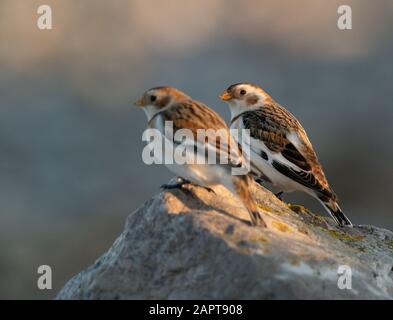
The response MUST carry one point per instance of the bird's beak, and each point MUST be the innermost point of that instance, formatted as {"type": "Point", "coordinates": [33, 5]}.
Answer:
{"type": "Point", "coordinates": [226, 96]}
{"type": "Point", "coordinates": [139, 103]}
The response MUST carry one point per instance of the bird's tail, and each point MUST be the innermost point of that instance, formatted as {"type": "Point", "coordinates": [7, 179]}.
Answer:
{"type": "Point", "coordinates": [335, 211]}
{"type": "Point", "coordinates": [242, 188]}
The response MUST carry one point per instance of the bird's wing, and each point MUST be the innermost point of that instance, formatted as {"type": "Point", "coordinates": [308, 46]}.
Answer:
{"type": "Point", "coordinates": [283, 134]}
{"type": "Point", "coordinates": [194, 115]}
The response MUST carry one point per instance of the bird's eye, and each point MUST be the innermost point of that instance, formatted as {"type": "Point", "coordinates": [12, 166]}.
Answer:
{"type": "Point", "coordinates": [243, 92]}
{"type": "Point", "coordinates": [153, 98]}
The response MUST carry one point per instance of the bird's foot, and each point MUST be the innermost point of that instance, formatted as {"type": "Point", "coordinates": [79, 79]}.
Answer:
{"type": "Point", "coordinates": [203, 187]}
{"type": "Point", "coordinates": [279, 195]}
{"type": "Point", "coordinates": [180, 182]}
{"type": "Point", "coordinates": [208, 189]}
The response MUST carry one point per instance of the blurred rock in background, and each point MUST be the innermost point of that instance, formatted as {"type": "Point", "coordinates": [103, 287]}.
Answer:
{"type": "Point", "coordinates": [70, 139]}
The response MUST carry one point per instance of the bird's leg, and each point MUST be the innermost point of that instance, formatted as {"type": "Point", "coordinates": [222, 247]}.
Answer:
{"type": "Point", "coordinates": [180, 182]}
{"type": "Point", "coordinates": [279, 195]}
{"type": "Point", "coordinates": [208, 189]}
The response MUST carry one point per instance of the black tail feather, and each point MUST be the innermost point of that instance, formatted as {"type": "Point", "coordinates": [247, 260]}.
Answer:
{"type": "Point", "coordinates": [338, 216]}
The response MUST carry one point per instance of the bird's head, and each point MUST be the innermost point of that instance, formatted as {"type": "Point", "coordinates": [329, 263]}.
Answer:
{"type": "Point", "coordinates": [244, 96]}
{"type": "Point", "coordinates": [156, 99]}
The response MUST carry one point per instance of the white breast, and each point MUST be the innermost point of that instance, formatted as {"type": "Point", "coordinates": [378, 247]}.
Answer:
{"type": "Point", "coordinates": [201, 174]}
{"type": "Point", "coordinates": [253, 153]}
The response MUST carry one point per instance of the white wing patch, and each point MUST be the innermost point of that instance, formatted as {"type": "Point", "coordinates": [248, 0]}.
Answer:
{"type": "Point", "coordinates": [261, 165]}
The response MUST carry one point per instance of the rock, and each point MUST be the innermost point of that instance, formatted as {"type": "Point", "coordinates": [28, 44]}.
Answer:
{"type": "Point", "coordinates": [194, 244]}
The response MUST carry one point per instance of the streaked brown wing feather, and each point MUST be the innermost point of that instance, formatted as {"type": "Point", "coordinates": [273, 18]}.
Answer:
{"type": "Point", "coordinates": [194, 115]}
{"type": "Point", "coordinates": [272, 124]}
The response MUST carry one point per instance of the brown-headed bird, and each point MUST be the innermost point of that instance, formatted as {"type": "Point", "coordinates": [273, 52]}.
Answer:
{"type": "Point", "coordinates": [167, 104]}
{"type": "Point", "coordinates": [280, 151]}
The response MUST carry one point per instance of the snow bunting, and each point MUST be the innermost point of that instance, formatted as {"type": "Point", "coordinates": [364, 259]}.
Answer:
{"type": "Point", "coordinates": [280, 150]}
{"type": "Point", "coordinates": [163, 104]}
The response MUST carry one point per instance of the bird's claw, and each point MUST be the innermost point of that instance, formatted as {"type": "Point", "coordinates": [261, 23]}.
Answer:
{"type": "Point", "coordinates": [209, 189]}
{"type": "Point", "coordinates": [177, 185]}
{"type": "Point", "coordinates": [180, 182]}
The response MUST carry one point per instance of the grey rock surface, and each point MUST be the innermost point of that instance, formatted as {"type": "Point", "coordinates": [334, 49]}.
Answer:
{"type": "Point", "coordinates": [194, 244]}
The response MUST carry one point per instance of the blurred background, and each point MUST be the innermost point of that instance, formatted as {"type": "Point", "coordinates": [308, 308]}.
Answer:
{"type": "Point", "coordinates": [70, 140]}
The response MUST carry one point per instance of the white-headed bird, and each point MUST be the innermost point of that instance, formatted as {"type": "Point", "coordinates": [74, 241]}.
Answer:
{"type": "Point", "coordinates": [167, 104]}
{"type": "Point", "coordinates": [280, 151]}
